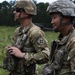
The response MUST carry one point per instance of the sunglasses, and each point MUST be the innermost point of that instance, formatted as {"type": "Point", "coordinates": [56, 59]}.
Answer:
{"type": "Point", "coordinates": [18, 9]}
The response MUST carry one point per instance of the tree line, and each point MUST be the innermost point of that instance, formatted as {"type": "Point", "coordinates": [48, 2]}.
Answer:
{"type": "Point", "coordinates": [7, 17]}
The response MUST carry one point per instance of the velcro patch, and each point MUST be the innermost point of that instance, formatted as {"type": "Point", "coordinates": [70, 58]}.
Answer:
{"type": "Point", "coordinates": [41, 41]}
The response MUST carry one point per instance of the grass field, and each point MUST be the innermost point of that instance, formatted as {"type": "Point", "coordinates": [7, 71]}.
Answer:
{"type": "Point", "coordinates": [6, 35]}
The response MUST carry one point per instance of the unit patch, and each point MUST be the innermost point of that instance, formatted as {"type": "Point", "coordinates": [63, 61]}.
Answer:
{"type": "Point", "coordinates": [41, 41]}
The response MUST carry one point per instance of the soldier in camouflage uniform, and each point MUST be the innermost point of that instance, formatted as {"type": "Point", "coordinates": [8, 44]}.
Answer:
{"type": "Point", "coordinates": [30, 46]}
{"type": "Point", "coordinates": [62, 54]}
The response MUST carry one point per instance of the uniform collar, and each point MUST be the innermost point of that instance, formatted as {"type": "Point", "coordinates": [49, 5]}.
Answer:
{"type": "Point", "coordinates": [63, 39]}
{"type": "Point", "coordinates": [25, 29]}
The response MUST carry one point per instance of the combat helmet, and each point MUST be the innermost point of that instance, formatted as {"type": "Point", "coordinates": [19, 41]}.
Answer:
{"type": "Point", "coordinates": [27, 5]}
{"type": "Point", "coordinates": [65, 7]}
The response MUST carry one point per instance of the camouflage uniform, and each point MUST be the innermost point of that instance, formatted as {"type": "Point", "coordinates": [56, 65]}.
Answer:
{"type": "Point", "coordinates": [62, 54]}
{"type": "Point", "coordinates": [35, 47]}
{"type": "Point", "coordinates": [30, 40]}
{"type": "Point", "coordinates": [63, 58]}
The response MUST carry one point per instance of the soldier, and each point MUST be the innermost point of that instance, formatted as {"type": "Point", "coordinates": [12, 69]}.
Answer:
{"type": "Point", "coordinates": [62, 54]}
{"type": "Point", "coordinates": [29, 46]}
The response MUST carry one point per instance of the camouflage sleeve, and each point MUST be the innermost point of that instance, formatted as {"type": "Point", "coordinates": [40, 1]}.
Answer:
{"type": "Point", "coordinates": [41, 46]}
{"type": "Point", "coordinates": [71, 54]}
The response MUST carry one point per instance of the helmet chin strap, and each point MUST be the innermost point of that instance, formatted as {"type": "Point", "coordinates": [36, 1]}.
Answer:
{"type": "Point", "coordinates": [22, 17]}
{"type": "Point", "coordinates": [61, 24]}
{"type": "Point", "coordinates": [57, 29]}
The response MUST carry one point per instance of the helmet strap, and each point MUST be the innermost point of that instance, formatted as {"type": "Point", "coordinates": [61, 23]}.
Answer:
{"type": "Point", "coordinates": [29, 16]}
{"type": "Point", "coordinates": [67, 23]}
{"type": "Point", "coordinates": [62, 24]}
{"type": "Point", "coordinates": [61, 18]}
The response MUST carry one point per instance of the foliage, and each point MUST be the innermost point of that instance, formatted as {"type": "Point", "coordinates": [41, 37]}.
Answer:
{"type": "Point", "coordinates": [7, 17]}
{"type": "Point", "coordinates": [6, 35]}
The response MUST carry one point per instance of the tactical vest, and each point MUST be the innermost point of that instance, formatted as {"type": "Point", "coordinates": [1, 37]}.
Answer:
{"type": "Point", "coordinates": [59, 55]}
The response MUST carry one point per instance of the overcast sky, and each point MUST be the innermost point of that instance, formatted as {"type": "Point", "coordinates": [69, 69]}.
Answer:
{"type": "Point", "coordinates": [50, 1]}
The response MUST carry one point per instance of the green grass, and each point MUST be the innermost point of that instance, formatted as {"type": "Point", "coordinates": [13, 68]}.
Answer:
{"type": "Point", "coordinates": [50, 36]}
{"type": "Point", "coordinates": [6, 35]}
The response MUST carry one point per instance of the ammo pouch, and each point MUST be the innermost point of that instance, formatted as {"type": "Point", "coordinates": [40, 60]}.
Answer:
{"type": "Point", "coordinates": [58, 59]}
{"type": "Point", "coordinates": [9, 62]}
